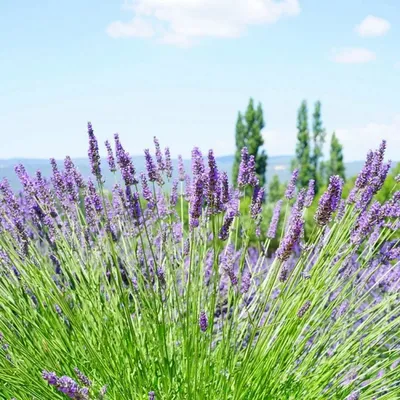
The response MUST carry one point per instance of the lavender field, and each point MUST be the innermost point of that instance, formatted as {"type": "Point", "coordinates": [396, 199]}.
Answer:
{"type": "Point", "coordinates": [170, 286]}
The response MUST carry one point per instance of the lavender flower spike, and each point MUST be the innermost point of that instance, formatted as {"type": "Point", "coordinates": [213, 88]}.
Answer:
{"type": "Point", "coordinates": [329, 201]}
{"type": "Point", "coordinates": [93, 153]}
{"type": "Point", "coordinates": [203, 321]}
{"type": "Point", "coordinates": [310, 193]}
{"type": "Point", "coordinates": [110, 157]}
{"type": "Point", "coordinates": [152, 395]}
{"type": "Point", "coordinates": [291, 238]}
{"type": "Point", "coordinates": [291, 187]}
{"type": "Point", "coordinates": [274, 221]}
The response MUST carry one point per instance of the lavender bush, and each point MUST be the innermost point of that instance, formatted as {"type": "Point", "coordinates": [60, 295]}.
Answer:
{"type": "Point", "coordinates": [113, 296]}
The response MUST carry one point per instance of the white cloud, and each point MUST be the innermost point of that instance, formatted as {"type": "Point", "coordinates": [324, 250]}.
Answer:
{"type": "Point", "coordinates": [358, 140]}
{"type": "Point", "coordinates": [372, 26]}
{"type": "Point", "coordinates": [353, 55]}
{"type": "Point", "coordinates": [182, 22]}
{"type": "Point", "coordinates": [137, 27]}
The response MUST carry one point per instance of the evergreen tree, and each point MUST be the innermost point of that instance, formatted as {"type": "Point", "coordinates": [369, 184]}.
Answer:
{"type": "Point", "coordinates": [319, 135]}
{"type": "Point", "coordinates": [248, 134]}
{"type": "Point", "coordinates": [303, 157]}
{"type": "Point", "coordinates": [276, 190]}
{"type": "Point", "coordinates": [336, 164]}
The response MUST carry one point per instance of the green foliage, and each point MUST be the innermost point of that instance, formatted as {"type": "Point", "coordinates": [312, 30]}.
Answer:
{"type": "Point", "coordinates": [276, 190]}
{"type": "Point", "coordinates": [336, 164]}
{"type": "Point", "coordinates": [319, 135]}
{"type": "Point", "coordinates": [248, 134]}
{"type": "Point", "coordinates": [303, 149]}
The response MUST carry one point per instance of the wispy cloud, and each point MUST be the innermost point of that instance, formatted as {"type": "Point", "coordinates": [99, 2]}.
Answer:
{"type": "Point", "coordinates": [137, 27]}
{"type": "Point", "coordinates": [353, 55]}
{"type": "Point", "coordinates": [372, 26]}
{"type": "Point", "coordinates": [359, 139]}
{"type": "Point", "coordinates": [183, 22]}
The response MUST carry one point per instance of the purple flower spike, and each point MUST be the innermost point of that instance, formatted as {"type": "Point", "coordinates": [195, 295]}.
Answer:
{"type": "Point", "coordinates": [50, 377]}
{"type": "Point", "coordinates": [203, 321]}
{"type": "Point", "coordinates": [274, 221]}
{"type": "Point", "coordinates": [168, 163]}
{"type": "Point", "coordinates": [110, 157]}
{"type": "Point", "coordinates": [291, 238]}
{"type": "Point", "coordinates": [291, 187]}
{"type": "Point", "coordinates": [304, 308]}
{"type": "Point", "coordinates": [125, 164]}
{"type": "Point", "coordinates": [159, 156]}
{"type": "Point", "coordinates": [181, 169]}
{"type": "Point", "coordinates": [329, 201]}
{"type": "Point", "coordinates": [310, 193]}
{"type": "Point", "coordinates": [256, 203]}
{"type": "Point", "coordinates": [93, 153]}
{"type": "Point", "coordinates": [152, 395]}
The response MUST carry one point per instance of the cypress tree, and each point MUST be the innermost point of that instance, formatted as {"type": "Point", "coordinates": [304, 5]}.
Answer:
{"type": "Point", "coordinates": [336, 164]}
{"type": "Point", "coordinates": [319, 135]}
{"type": "Point", "coordinates": [248, 134]}
{"type": "Point", "coordinates": [303, 157]}
{"type": "Point", "coordinates": [276, 190]}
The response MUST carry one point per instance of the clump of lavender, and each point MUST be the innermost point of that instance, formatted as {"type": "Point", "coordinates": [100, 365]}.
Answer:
{"type": "Point", "coordinates": [121, 280]}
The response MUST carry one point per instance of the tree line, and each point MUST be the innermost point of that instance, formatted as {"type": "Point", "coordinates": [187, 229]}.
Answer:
{"type": "Point", "coordinates": [309, 156]}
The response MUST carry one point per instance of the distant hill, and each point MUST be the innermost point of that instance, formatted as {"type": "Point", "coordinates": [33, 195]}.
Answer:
{"type": "Point", "coordinates": [279, 165]}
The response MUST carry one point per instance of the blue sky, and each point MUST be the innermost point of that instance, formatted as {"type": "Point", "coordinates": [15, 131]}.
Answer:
{"type": "Point", "coordinates": [181, 69]}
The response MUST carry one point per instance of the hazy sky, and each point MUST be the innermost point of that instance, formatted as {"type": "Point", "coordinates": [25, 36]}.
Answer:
{"type": "Point", "coordinates": [181, 69]}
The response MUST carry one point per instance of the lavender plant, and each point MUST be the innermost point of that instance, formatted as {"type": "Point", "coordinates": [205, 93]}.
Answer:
{"type": "Point", "coordinates": [113, 296]}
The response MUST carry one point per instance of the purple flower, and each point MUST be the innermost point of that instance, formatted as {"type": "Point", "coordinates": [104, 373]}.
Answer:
{"type": "Point", "coordinates": [50, 377]}
{"type": "Point", "coordinates": [274, 221]}
{"type": "Point", "coordinates": [364, 175]}
{"type": "Point", "coordinates": [303, 309]}
{"type": "Point", "coordinates": [213, 189]}
{"type": "Point", "coordinates": [224, 182]}
{"type": "Point", "coordinates": [124, 162]}
{"type": "Point", "coordinates": [181, 169]}
{"type": "Point", "coordinates": [133, 204]}
{"type": "Point", "coordinates": [227, 261]}
{"type": "Point", "coordinates": [93, 153]}
{"type": "Point", "coordinates": [366, 222]}
{"type": "Point", "coordinates": [168, 163]}
{"type": "Point", "coordinates": [329, 201]}
{"type": "Point", "coordinates": [246, 282]}
{"type": "Point", "coordinates": [151, 168]}
{"type": "Point", "coordinates": [83, 378]}
{"type": "Point", "coordinates": [159, 157]}
{"type": "Point", "coordinates": [110, 157]}
{"type": "Point", "coordinates": [353, 396]}
{"type": "Point", "coordinates": [291, 187]}
{"type": "Point", "coordinates": [230, 215]}
{"type": "Point", "coordinates": [174, 193]}
{"type": "Point", "coordinates": [292, 237]}
{"type": "Point", "coordinates": [203, 321]}
{"type": "Point", "coordinates": [341, 210]}
{"type": "Point", "coordinates": [247, 174]}
{"type": "Point", "coordinates": [152, 396]}
{"type": "Point", "coordinates": [256, 203]}
{"type": "Point", "coordinates": [310, 193]}
{"type": "Point", "coordinates": [397, 178]}
{"type": "Point", "coordinates": [146, 192]}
